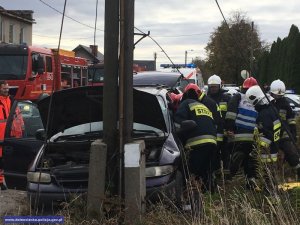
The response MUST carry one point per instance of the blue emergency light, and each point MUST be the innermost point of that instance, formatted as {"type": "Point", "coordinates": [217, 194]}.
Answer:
{"type": "Point", "coordinates": [189, 65]}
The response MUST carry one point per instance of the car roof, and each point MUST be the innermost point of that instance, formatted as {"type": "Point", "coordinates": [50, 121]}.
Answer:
{"type": "Point", "coordinates": [156, 78]}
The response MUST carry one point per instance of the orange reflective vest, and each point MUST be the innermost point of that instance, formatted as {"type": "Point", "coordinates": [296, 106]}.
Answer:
{"type": "Point", "coordinates": [5, 105]}
{"type": "Point", "coordinates": [17, 126]}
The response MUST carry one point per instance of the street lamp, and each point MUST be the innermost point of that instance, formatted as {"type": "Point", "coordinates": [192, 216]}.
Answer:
{"type": "Point", "coordinates": [185, 58]}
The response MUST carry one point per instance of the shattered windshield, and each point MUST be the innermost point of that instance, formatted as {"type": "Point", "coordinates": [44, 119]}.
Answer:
{"type": "Point", "coordinates": [13, 67]}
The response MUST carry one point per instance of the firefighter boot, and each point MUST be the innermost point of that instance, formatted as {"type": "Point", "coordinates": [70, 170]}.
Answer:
{"type": "Point", "coordinates": [251, 184]}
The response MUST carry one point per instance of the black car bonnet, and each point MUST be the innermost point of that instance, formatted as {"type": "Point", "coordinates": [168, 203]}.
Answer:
{"type": "Point", "coordinates": [72, 107]}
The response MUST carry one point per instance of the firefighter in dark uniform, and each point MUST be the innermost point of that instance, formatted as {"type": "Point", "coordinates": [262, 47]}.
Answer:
{"type": "Point", "coordinates": [200, 142]}
{"type": "Point", "coordinates": [240, 122]}
{"type": "Point", "coordinates": [269, 128]}
{"type": "Point", "coordinates": [216, 93]}
{"type": "Point", "coordinates": [291, 155]}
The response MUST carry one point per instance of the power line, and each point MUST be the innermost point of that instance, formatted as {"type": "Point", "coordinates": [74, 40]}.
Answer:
{"type": "Point", "coordinates": [72, 38]}
{"type": "Point", "coordinates": [183, 35]}
{"type": "Point", "coordinates": [69, 16]}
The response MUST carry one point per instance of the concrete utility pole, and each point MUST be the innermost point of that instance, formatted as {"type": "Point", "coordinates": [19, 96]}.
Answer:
{"type": "Point", "coordinates": [96, 186]}
{"type": "Point", "coordinates": [110, 91]}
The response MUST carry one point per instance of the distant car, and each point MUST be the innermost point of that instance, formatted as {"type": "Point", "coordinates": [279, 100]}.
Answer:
{"type": "Point", "coordinates": [227, 87]}
{"type": "Point", "coordinates": [294, 101]}
{"type": "Point", "coordinates": [170, 80]}
{"type": "Point", "coordinates": [60, 167]}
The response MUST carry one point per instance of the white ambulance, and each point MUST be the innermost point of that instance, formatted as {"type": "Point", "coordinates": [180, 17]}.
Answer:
{"type": "Point", "coordinates": [189, 71]}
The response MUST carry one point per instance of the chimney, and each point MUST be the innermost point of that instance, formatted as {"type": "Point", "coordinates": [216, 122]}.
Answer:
{"type": "Point", "coordinates": [94, 49]}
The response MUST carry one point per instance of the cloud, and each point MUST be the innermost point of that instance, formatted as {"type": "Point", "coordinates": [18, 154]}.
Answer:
{"type": "Point", "coordinates": [175, 24]}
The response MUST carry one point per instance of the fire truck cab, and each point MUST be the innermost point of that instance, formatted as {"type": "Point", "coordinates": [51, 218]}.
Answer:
{"type": "Point", "coordinates": [32, 72]}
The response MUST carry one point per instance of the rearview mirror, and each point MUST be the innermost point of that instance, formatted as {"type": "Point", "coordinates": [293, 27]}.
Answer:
{"type": "Point", "coordinates": [40, 134]}
{"type": "Point", "coordinates": [41, 65]}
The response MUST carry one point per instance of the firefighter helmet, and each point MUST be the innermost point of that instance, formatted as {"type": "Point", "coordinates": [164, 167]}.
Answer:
{"type": "Point", "coordinates": [249, 82]}
{"type": "Point", "coordinates": [214, 79]}
{"type": "Point", "coordinates": [256, 96]}
{"type": "Point", "coordinates": [194, 87]}
{"type": "Point", "coordinates": [277, 87]}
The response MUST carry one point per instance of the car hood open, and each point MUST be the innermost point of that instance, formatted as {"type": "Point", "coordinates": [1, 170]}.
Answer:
{"type": "Point", "coordinates": [72, 107]}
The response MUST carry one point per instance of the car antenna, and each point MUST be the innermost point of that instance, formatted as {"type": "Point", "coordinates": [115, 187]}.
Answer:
{"type": "Point", "coordinates": [251, 73]}
{"type": "Point", "coordinates": [181, 77]}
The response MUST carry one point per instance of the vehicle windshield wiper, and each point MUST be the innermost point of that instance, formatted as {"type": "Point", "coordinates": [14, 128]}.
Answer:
{"type": "Point", "coordinates": [147, 132]}
{"type": "Point", "coordinates": [68, 136]}
{"type": "Point", "coordinates": [86, 134]}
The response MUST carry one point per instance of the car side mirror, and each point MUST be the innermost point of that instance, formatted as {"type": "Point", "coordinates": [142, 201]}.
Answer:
{"type": "Point", "coordinates": [40, 134]}
{"type": "Point", "coordinates": [41, 65]}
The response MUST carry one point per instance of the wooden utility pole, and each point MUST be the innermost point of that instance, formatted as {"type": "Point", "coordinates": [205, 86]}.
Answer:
{"type": "Point", "coordinates": [126, 80]}
{"type": "Point", "coordinates": [110, 91]}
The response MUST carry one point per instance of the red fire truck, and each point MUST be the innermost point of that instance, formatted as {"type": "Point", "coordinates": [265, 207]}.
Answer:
{"type": "Point", "coordinates": [32, 72]}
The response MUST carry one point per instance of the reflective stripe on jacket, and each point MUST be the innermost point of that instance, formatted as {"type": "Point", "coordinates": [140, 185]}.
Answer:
{"type": "Point", "coordinates": [203, 139]}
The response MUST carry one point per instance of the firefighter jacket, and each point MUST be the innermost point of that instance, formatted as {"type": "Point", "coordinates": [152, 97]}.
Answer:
{"type": "Point", "coordinates": [269, 127]}
{"type": "Point", "coordinates": [205, 132]}
{"type": "Point", "coordinates": [5, 104]}
{"type": "Point", "coordinates": [287, 117]}
{"type": "Point", "coordinates": [213, 107]}
{"type": "Point", "coordinates": [222, 101]}
{"type": "Point", "coordinates": [241, 118]}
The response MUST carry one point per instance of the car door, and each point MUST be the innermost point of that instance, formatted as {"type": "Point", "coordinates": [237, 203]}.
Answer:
{"type": "Point", "coordinates": [20, 145]}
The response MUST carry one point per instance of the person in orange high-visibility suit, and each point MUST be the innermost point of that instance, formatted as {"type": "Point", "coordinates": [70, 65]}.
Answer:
{"type": "Point", "coordinates": [17, 126]}
{"type": "Point", "coordinates": [5, 104]}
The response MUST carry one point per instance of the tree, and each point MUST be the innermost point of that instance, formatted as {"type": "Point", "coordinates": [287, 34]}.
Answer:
{"type": "Point", "coordinates": [201, 64]}
{"type": "Point", "coordinates": [229, 48]}
{"type": "Point", "coordinates": [282, 61]}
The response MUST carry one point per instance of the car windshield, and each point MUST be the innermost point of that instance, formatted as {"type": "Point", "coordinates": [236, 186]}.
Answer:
{"type": "Point", "coordinates": [95, 129]}
{"type": "Point", "coordinates": [13, 67]}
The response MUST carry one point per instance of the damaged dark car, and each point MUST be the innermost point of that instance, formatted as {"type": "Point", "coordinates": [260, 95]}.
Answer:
{"type": "Point", "coordinates": [60, 167]}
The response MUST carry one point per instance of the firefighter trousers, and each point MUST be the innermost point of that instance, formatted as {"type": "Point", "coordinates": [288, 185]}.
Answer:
{"type": "Point", "coordinates": [200, 163]}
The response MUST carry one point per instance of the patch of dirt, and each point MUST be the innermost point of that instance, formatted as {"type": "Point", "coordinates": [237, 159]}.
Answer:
{"type": "Point", "coordinates": [13, 203]}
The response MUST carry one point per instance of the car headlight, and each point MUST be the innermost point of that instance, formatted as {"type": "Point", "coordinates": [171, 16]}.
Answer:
{"type": "Point", "coordinates": [157, 171]}
{"type": "Point", "coordinates": [37, 177]}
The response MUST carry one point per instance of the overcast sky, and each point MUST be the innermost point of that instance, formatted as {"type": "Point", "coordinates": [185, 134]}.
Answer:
{"type": "Point", "coordinates": [177, 25]}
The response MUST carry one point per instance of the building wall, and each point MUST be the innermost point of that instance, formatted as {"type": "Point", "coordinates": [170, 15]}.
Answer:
{"type": "Point", "coordinates": [17, 26]}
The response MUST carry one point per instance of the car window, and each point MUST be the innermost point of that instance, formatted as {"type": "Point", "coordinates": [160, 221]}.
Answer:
{"type": "Point", "coordinates": [26, 121]}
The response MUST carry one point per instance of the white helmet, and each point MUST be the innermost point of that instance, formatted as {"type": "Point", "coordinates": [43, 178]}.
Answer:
{"type": "Point", "coordinates": [214, 79]}
{"type": "Point", "coordinates": [256, 96]}
{"type": "Point", "coordinates": [277, 87]}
